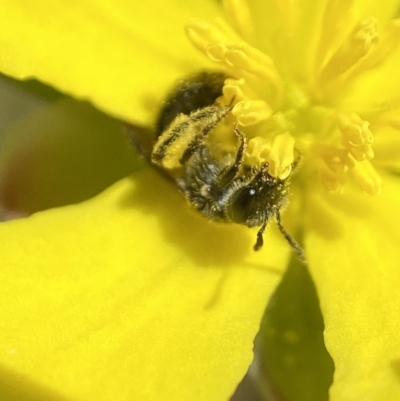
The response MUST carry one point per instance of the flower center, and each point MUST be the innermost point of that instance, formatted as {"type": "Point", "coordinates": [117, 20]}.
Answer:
{"type": "Point", "coordinates": [281, 114]}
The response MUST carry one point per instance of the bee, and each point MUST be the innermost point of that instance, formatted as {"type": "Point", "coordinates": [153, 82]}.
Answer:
{"type": "Point", "coordinates": [219, 185]}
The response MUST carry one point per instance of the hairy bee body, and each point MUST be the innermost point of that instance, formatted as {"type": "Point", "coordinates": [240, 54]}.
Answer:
{"type": "Point", "coordinates": [217, 184]}
{"type": "Point", "coordinates": [249, 198]}
{"type": "Point", "coordinates": [190, 95]}
{"type": "Point", "coordinates": [200, 185]}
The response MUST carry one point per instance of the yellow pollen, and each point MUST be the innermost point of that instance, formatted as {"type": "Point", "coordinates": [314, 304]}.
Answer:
{"type": "Point", "coordinates": [236, 90]}
{"type": "Point", "coordinates": [257, 150]}
{"type": "Point", "coordinates": [367, 178]}
{"type": "Point", "coordinates": [250, 112]}
{"type": "Point", "coordinates": [281, 156]}
{"type": "Point", "coordinates": [356, 136]}
{"type": "Point", "coordinates": [233, 90]}
{"type": "Point", "coordinates": [356, 46]}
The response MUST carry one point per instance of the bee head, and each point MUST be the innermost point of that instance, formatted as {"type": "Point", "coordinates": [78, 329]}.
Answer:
{"type": "Point", "coordinates": [259, 199]}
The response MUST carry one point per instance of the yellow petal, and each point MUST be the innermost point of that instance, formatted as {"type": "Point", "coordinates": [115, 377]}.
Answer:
{"type": "Point", "coordinates": [387, 146]}
{"type": "Point", "coordinates": [383, 11]}
{"type": "Point", "coordinates": [352, 247]}
{"type": "Point", "coordinates": [131, 296]}
{"type": "Point", "coordinates": [122, 55]}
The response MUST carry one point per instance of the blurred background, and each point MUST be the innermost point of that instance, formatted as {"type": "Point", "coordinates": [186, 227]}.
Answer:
{"type": "Point", "coordinates": [55, 150]}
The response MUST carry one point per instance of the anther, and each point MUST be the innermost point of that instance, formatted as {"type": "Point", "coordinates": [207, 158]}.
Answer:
{"type": "Point", "coordinates": [250, 112]}
{"type": "Point", "coordinates": [281, 156]}
{"type": "Point", "coordinates": [388, 43]}
{"type": "Point", "coordinates": [367, 178]}
{"type": "Point", "coordinates": [332, 180]}
{"type": "Point", "coordinates": [237, 90]}
{"type": "Point", "coordinates": [357, 45]}
{"type": "Point", "coordinates": [356, 136]}
{"type": "Point", "coordinates": [257, 151]}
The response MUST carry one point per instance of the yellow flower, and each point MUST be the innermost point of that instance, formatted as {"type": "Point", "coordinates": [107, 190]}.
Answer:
{"type": "Point", "coordinates": [320, 78]}
{"type": "Point", "coordinates": [84, 285]}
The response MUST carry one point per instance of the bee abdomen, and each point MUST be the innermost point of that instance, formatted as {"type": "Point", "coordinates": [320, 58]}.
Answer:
{"type": "Point", "coordinates": [192, 94]}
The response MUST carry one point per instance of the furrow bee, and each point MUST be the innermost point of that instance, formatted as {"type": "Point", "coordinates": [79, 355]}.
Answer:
{"type": "Point", "coordinates": [216, 183]}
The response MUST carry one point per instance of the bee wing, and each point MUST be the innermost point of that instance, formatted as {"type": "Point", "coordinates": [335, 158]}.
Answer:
{"type": "Point", "coordinates": [143, 139]}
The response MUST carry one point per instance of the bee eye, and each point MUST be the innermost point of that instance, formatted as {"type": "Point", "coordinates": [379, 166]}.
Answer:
{"type": "Point", "coordinates": [242, 205]}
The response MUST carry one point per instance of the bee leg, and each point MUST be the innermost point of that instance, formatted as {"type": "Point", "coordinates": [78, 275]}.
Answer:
{"type": "Point", "coordinates": [189, 126]}
{"type": "Point", "coordinates": [208, 118]}
{"type": "Point", "coordinates": [192, 147]}
{"type": "Point", "coordinates": [260, 240]}
{"type": "Point", "coordinates": [297, 160]}
{"type": "Point", "coordinates": [230, 173]}
{"type": "Point", "coordinates": [295, 246]}
{"type": "Point", "coordinates": [242, 149]}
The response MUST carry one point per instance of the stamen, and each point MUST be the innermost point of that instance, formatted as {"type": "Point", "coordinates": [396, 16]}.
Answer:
{"type": "Point", "coordinates": [336, 159]}
{"type": "Point", "coordinates": [236, 90]}
{"type": "Point", "coordinates": [388, 43]}
{"type": "Point", "coordinates": [332, 165]}
{"type": "Point", "coordinates": [216, 52]}
{"type": "Point", "coordinates": [240, 15]}
{"type": "Point", "coordinates": [198, 32]}
{"type": "Point", "coordinates": [332, 180]}
{"type": "Point", "coordinates": [249, 112]}
{"type": "Point", "coordinates": [243, 56]}
{"type": "Point", "coordinates": [357, 45]}
{"type": "Point", "coordinates": [257, 151]}
{"type": "Point", "coordinates": [367, 177]}
{"type": "Point", "coordinates": [202, 33]}
{"type": "Point", "coordinates": [255, 92]}
{"type": "Point", "coordinates": [357, 137]}
{"type": "Point", "coordinates": [233, 90]}
{"type": "Point", "coordinates": [281, 156]}
{"type": "Point", "coordinates": [216, 40]}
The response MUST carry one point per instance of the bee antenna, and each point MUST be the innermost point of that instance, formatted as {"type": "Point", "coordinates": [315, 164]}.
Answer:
{"type": "Point", "coordinates": [296, 247]}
